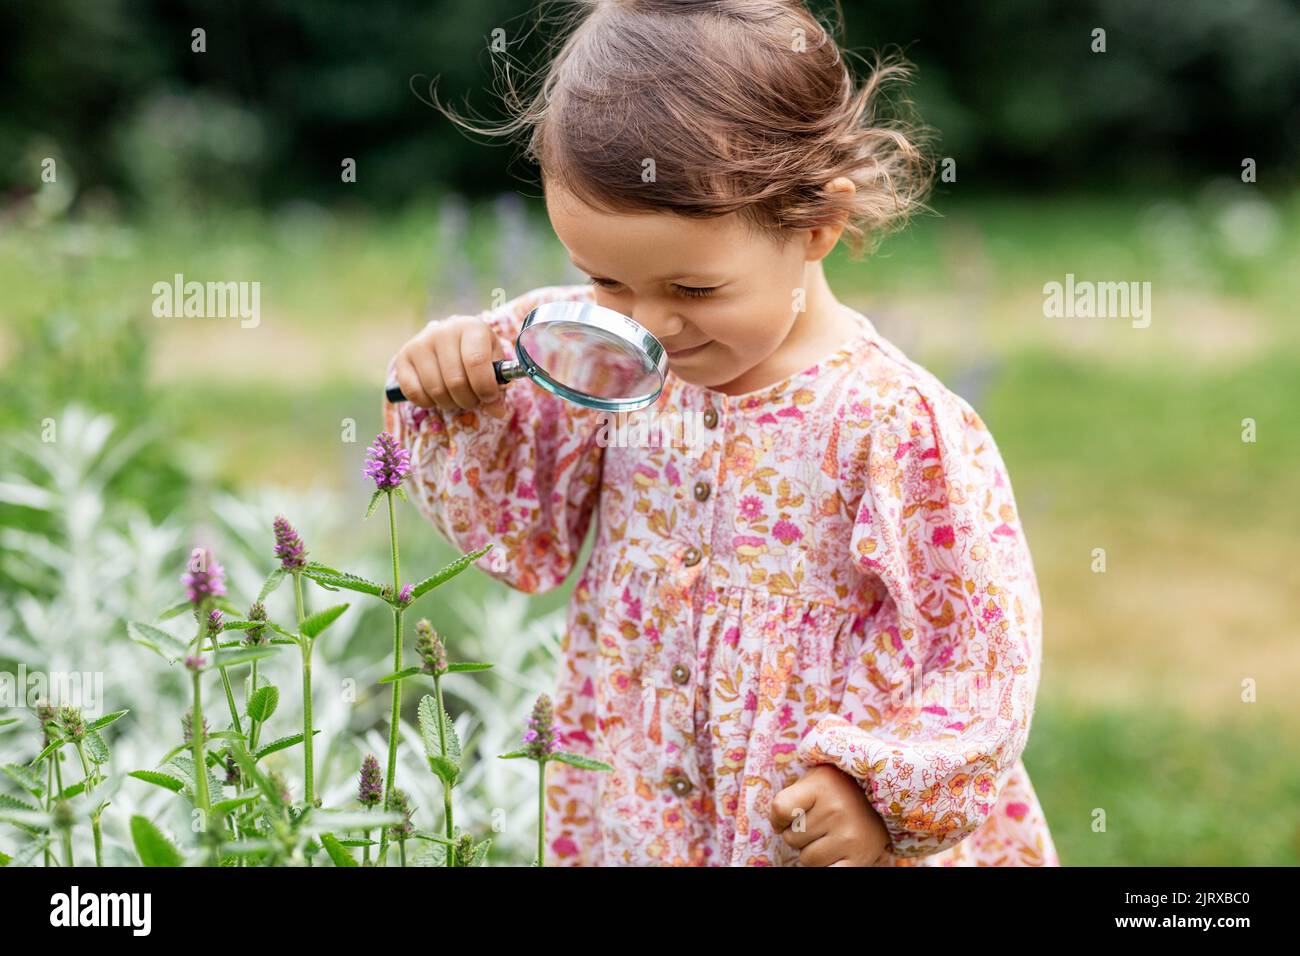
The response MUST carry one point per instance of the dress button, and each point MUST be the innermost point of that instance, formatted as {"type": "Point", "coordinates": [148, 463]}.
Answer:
{"type": "Point", "coordinates": [691, 557]}
{"type": "Point", "coordinates": [701, 490]}
{"type": "Point", "coordinates": [680, 785]}
{"type": "Point", "coordinates": [710, 417]}
{"type": "Point", "coordinates": [681, 673]}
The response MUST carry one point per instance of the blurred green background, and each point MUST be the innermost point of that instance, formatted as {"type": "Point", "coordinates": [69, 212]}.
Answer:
{"type": "Point", "coordinates": [1117, 166]}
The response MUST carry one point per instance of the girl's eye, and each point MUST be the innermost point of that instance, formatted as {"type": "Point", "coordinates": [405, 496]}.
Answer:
{"type": "Point", "coordinates": [604, 283]}
{"type": "Point", "coordinates": [694, 292]}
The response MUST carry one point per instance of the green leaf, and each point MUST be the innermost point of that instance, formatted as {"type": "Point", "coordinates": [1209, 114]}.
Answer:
{"type": "Point", "coordinates": [316, 566]}
{"type": "Point", "coordinates": [284, 743]}
{"type": "Point", "coordinates": [234, 803]}
{"type": "Point", "coordinates": [96, 749]}
{"type": "Point", "coordinates": [7, 721]}
{"type": "Point", "coordinates": [227, 605]}
{"type": "Point", "coordinates": [157, 640]}
{"type": "Point", "coordinates": [480, 853]}
{"type": "Point", "coordinates": [248, 655]}
{"type": "Point", "coordinates": [180, 748]}
{"type": "Point", "coordinates": [263, 703]}
{"type": "Point", "coordinates": [350, 582]}
{"type": "Point", "coordinates": [164, 780]}
{"type": "Point", "coordinates": [176, 610]}
{"type": "Point", "coordinates": [54, 745]}
{"type": "Point", "coordinates": [445, 770]}
{"type": "Point", "coordinates": [340, 856]}
{"type": "Point", "coordinates": [577, 760]}
{"type": "Point", "coordinates": [466, 666]}
{"type": "Point", "coordinates": [25, 777]}
{"type": "Point", "coordinates": [108, 719]}
{"type": "Point", "coordinates": [432, 837]}
{"type": "Point", "coordinates": [313, 625]}
{"type": "Point", "coordinates": [400, 675]}
{"type": "Point", "coordinates": [357, 844]}
{"type": "Point", "coordinates": [447, 573]}
{"type": "Point", "coordinates": [374, 500]}
{"type": "Point", "coordinates": [154, 848]}
{"type": "Point", "coordinates": [13, 803]}
{"type": "Point", "coordinates": [273, 581]}
{"type": "Point", "coordinates": [5, 858]}
{"type": "Point", "coordinates": [514, 755]}
{"type": "Point", "coordinates": [73, 791]}
{"type": "Point", "coordinates": [429, 729]}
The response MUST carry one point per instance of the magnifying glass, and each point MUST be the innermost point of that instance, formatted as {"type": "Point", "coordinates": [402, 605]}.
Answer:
{"type": "Point", "coordinates": [585, 353]}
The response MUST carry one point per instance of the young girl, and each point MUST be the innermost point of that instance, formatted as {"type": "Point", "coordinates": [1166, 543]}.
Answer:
{"type": "Point", "coordinates": [811, 634]}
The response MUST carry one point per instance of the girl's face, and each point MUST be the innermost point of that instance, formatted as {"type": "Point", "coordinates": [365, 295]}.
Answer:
{"type": "Point", "coordinates": [719, 297]}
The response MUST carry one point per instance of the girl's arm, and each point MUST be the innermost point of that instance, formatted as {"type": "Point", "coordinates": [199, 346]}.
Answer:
{"type": "Point", "coordinates": [527, 482]}
{"type": "Point", "coordinates": [958, 640]}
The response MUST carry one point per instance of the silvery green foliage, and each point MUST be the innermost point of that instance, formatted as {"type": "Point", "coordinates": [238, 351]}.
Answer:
{"type": "Point", "coordinates": [103, 561]}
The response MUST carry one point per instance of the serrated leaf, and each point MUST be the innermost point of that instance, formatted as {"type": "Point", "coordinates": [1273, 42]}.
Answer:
{"type": "Point", "coordinates": [25, 777]}
{"type": "Point", "coordinates": [263, 703]}
{"type": "Point", "coordinates": [153, 847]}
{"type": "Point", "coordinates": [31, 820]}
{"type": "Point", "coordinates": [514, 755]}
{"type": "Point", "coordinates": [273, 581]}
{"type": "Point", "coordinates": [249, 767]}
{"type": "Point", "coordinates": [350, 582]}
{"type": "Point", "coordinates": [322, 568]}
{"type": "Point", "coordinates": [480, 853]}
{"type": "Point", "coordinates": [401, 493]}
{"type": "Point", "coordinates": [338, 854]}
{"type": "Point", "coordinates": [579, 761]}
{"type": "Point", "coordinates": [357, 844]}
{"type": "Point", "coordinates": [283, 743]}
{"type": "Point", "coordinates": [466, 666]}
{"type": "Point", "coordinates": [13, 803]}
{"type": "Point", "coordinates": [180, 748]}
{"type": "Point", "coordinates": [176, 610]}
{"type": "Point", "coordinates": [400, 675]}
{"type": "Point", "coordinates": [96, 748]}
{"type": "Point", "coordinates": [316, 623]}
{"type": "Point", "coordinates": [165, 645]}
{"type": "Point", "coordinates": [108, 719]}
{"type": "Point", "coordinates": [164, 780]}
{"type": "Point", "coordinates": [374, 500]}
{"type": "Point", "coordinates": [428, 714]}
{"type": "Point", "coordinates": [444, 769]}
{"type": "Point", "coordinates": [432, 837]}
{"type": "Point", "coordinates": [447, 573]}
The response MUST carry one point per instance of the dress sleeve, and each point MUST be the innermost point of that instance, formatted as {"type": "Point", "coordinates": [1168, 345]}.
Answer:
{"type": "Point", "coordinates": [939, 697]}
{"type": "Point", "coordinates": [527, 483]}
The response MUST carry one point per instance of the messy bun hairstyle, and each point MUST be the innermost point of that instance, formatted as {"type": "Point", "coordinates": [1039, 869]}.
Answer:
{"type": "Point", "coordinates": [709, 107]}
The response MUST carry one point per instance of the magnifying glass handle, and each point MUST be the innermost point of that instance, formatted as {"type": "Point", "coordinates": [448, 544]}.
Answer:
{"type": "Point", "coordinates": [506, 370]}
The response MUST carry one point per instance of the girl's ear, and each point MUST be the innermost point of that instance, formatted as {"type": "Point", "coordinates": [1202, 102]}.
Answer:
{"type": "Point", "coordinates": [822, 239]}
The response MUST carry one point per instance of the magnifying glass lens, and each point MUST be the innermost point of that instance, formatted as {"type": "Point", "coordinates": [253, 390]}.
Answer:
{"type": "Point", "coordinates": [587, 361]}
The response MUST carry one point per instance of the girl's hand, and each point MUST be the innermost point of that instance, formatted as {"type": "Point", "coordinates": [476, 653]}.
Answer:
{"type": "Point", "coordinates": [838, 825]}
{"type": "Point", "coordinates": [449, 364]}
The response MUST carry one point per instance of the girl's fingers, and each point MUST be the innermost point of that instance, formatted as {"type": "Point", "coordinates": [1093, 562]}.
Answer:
{"type": "Point", "coordinates": [409, 380]}
{"type": "Point", "coordinates": [455, 380]}
{"type": "Point", "coordinates": [429, 369]}
{"type": "Point", "coordinates": [477, 352]}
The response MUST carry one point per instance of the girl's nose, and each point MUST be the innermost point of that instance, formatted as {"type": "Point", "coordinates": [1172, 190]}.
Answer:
{"type": "Point", "coordinates": [658, 323]}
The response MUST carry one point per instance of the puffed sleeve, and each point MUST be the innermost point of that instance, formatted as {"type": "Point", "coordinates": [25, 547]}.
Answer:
{"type": "Point", "coordinates": [953, 654]}
{"type": "Point", "coordinates": [527, 483]}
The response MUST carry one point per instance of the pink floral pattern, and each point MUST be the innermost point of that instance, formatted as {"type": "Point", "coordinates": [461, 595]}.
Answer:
{"type": "Point", "coordinates": [834, 571]}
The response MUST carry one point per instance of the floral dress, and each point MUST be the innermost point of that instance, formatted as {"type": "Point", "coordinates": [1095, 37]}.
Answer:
{"type": "Point", "coordinates": [830, 569]}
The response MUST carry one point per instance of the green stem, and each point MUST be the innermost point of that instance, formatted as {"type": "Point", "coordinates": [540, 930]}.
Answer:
{"type": "Point", "coordinates": [365, 850]}
{"type": "Point", "coordinates": [395, 712]}
{"type": "Point", "coordinates": [401, 849]}
{"type": "Point", "coordinates": [89, 777]}
{"type": "Point", "coordinates": [541, 813]}
{"type": "Point", "coordinates": [230, 694]}
{"type": "Point", "coordinates": [67, 846]}
{"type": "Point", "coordinates": [305, 644]}
{"type": "Point", "coordinates": [49, 800]}
{"type": "Point", "coordinates": [99, 839]}
{"type": "Point", "coordinates": [200, 756]}
{"type": "Point", "coordinates": [446, 788]}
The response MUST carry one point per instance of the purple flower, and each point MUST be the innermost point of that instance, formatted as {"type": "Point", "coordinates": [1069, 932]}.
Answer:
{"type": "Point", "coordinates": [429, 648]}
{"type": "Point", "coordinates": [74, 728]}
{"type": "Point", "coordinates": [205, 578]}
{"type": "Point", "coordinates": [371, 791]}
{"type": "Point", "coordinates": [214, 623]}
{"type": "Point", "coordinates": [187, 726]}
{"type": "Point", "coordinates": [404, 596]}
{"type": "Point", "coordinates": [401, 804]}
{"type": "Point", "coordinates": [387, 462]}
{"type": "Point", "coordinates": [195, 662]}
{"type": "Point", "coordinates": [46, 715]}
{"type": "Point", "coordinates": [288, 546]}
{"type": "Point", "coordinates": [540, 740]}
{"type": "Point", "coordinates": [232, 770]}
{"type": "Point", "coordinates": [256, 635]}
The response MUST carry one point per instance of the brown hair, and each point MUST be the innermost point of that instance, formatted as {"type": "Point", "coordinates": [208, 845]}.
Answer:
{"type": "Point", "coordinates": [743, 106]}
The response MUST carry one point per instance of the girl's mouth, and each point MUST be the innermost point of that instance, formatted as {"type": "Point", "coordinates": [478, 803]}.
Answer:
{"type": "Point", "coordinates": [686, 353]}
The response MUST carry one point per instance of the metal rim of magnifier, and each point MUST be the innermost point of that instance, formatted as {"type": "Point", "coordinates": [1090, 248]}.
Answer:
{"type": "Point", "coordinates": [607, 320]}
